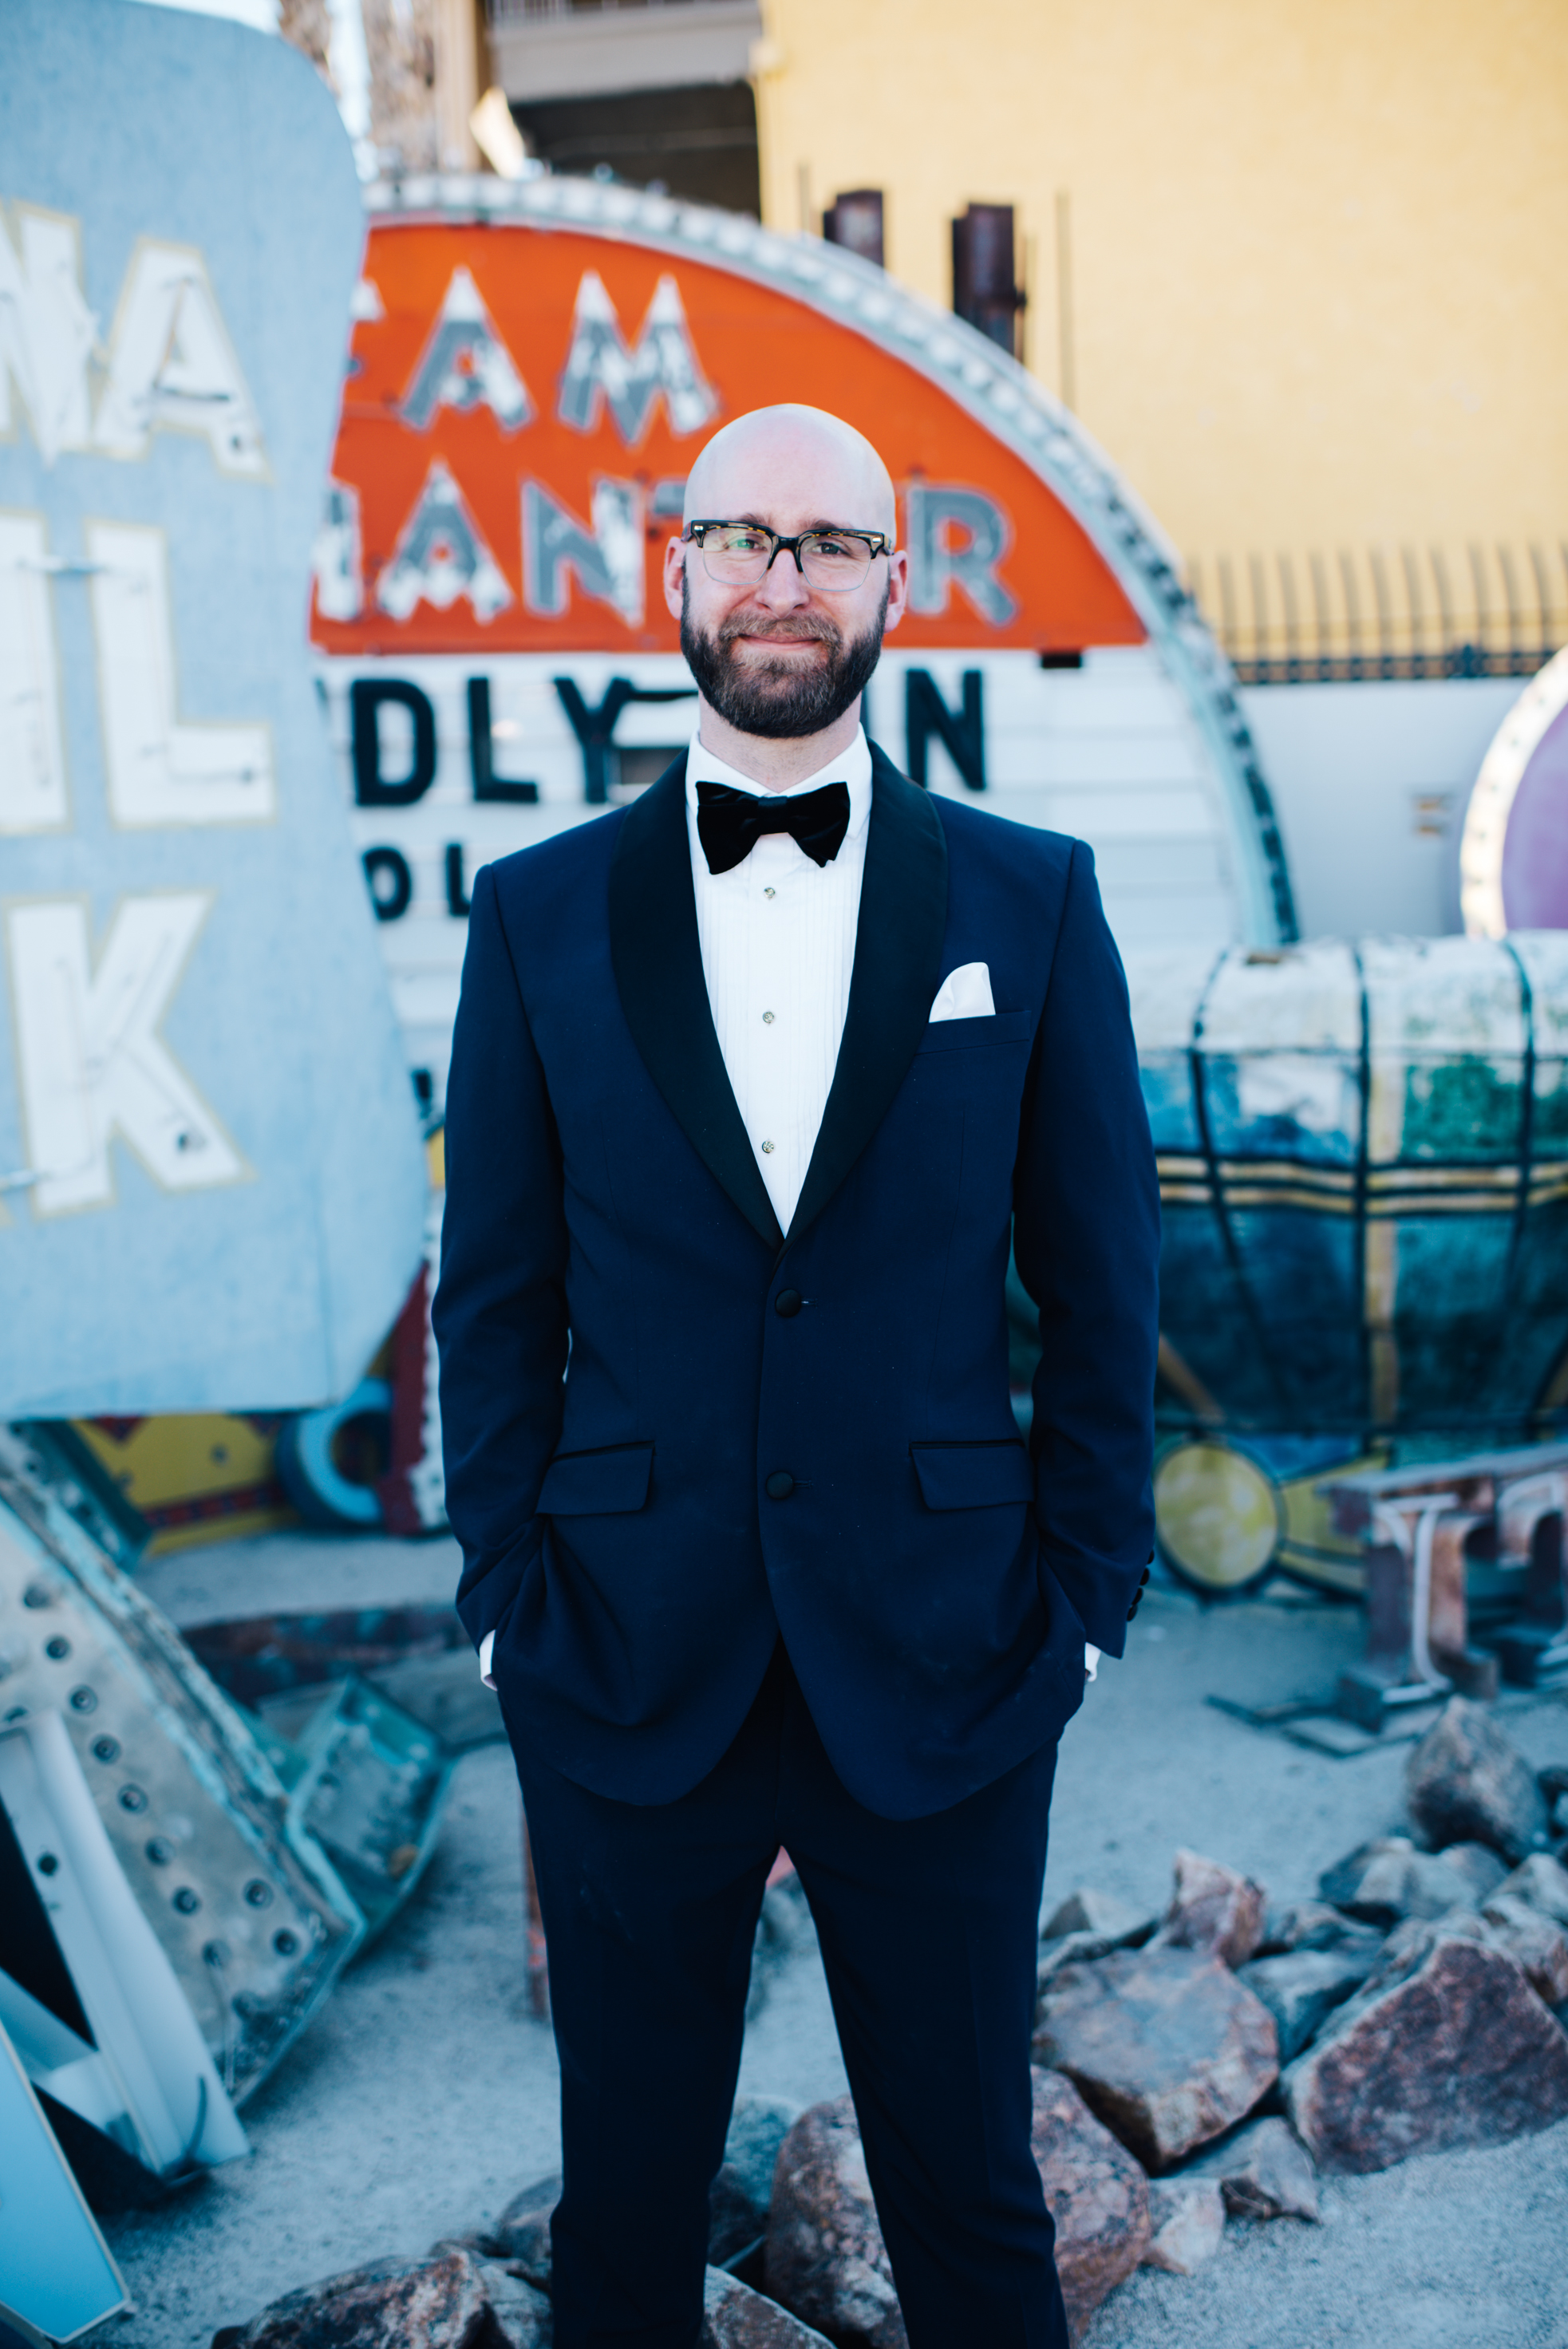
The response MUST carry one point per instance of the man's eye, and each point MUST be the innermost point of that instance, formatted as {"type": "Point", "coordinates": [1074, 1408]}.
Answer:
{"type": "Point", "coordinates": [838, 549]}
{"type": "Point", "coordinates": [741, 542]}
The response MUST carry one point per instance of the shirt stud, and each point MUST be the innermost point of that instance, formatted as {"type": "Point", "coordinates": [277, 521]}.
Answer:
{"type": "Point", "coordinates": [767, 1019]}
{"type": "Point", "coordinates": [766, 1148]}
{"type": "Point", "coordinates": [769, 892]}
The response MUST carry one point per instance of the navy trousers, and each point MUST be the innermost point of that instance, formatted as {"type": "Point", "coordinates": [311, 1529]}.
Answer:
{"type": "Point", "coordinates": [927, 1929]}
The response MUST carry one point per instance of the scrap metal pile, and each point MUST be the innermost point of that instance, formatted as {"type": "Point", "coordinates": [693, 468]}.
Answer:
{"type": "Point", "coordinates": [181, 1879]}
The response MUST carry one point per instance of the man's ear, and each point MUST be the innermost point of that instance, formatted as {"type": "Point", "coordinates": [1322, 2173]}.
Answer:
{"type": "Point", "coordinates": [674, 576]}
{"type": "Point", "coordinates": [898, 589]}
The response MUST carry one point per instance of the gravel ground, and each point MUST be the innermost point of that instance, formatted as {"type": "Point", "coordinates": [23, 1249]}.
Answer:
{"type": "Point", "coordinates": [426, 2093]}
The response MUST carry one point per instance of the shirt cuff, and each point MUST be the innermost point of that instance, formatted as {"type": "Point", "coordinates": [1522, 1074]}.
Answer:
{"type": "Point", "coordinates": [487, 1650]}
{"type": "Point", "coordinates": [1091, 1662]}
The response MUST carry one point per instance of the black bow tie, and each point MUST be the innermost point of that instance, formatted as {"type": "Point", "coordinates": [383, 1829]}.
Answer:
{"type": "Point", "coordinates": [731, 823]}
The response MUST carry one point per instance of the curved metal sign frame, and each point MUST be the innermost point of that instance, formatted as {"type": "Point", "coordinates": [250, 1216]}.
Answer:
{"type": "Point", "coordinates": [1507, 762]}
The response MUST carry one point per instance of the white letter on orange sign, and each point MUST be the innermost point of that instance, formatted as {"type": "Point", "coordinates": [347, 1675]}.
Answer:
{"type": "Point", "coordinates": [89, 1057]}
{"type": "Point", "coordinates": [441, 556]}
{"type": "Point", "coordinates": [599, 365]}
{"type": "Point", "coordinates": [161, 769]}
{"type": "Point", "coordinates": [609, 562]}
{"type": "Point", "coordinates": [936, 565]}
{"type": "Point", "coordinates": [465, 364]}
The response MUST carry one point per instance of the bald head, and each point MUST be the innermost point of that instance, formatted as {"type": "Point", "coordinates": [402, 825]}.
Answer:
{"type": "Point", "coordinates": [794, 468]}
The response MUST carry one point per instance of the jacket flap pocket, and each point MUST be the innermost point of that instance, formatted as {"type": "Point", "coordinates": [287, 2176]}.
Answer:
{"type": "Point", "coordinates": [973, 1476]}
{"type": "Point", "coordinates": [597, 1484]}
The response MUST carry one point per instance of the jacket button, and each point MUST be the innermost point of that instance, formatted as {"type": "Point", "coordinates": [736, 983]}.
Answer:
{"type": "Point", "coordinates": [787, 1304]}
{"type": "Point", "coordinates": [780, 1484]}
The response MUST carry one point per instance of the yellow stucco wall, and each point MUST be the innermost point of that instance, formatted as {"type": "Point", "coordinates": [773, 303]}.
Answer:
{"type": "Point", "coordinates": [1318, 246]}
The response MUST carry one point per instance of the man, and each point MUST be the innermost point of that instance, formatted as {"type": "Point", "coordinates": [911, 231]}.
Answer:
{"type": "Point", "coordinates": [752, 1083]}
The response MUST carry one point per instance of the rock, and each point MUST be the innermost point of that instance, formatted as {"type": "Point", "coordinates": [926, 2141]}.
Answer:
{"type": "Point", "coordinates": [1100, 1914]}
{"type": "Point", "coordinates": [1387, 1880]}
{"type": "Point", "coordinates": [1312, 1924]}
{"type": "Point", "coordinates": [521, 2235]}
{"type": "Point", "coordinates": [1186, 2221]}
{"type": "Point", "coordinates": [735, 2317]}
{"type": "Point", "coordinates": [1537, 1941]}
{"type": "Point", "coordinates": [1264, 2172]}
{"type": "Point", "coordinates": [784, 1926]}
{"type": "Point", "coordinates": [524, 2316]}
{"type": "Point", "coordinates": [1302, 1988]}
{"type": "Point", "coordinates": [1214, 1910]}
{"type": "Point", "coordinates": [1090, 1925]}
{"type": "Point", "coordinates": [1464, 1783]}
{"type": "Point", "coordinates": [1544, 1883]}
{"type": "Point", "coordinates": [1095, 2190]}
{"type": "Point", "coordinates": [1457, 2051]}
{"type": "Point", "coordinates": [738, 2202]}
{"type": "Point", "coordinates": [826, 2256]}
{"type": "Point", "coordinates": [1411, 1943]}
{"type": "Point", "coordinates": [1478, 1866]}
{"type": "Point", "coordinates": [1165, 2045]}
{"type": "Point", "coordinates": [394, 2304]}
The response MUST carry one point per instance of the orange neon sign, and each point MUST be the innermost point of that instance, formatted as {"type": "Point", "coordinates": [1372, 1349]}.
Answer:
{"type": "Point", "coordinates": [525, 401]}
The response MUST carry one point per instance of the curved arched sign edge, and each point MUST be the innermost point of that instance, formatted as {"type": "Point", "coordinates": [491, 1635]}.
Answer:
{"type": "Point", "coordinates": [1492, 795]}
{"type": "Point", "coordinates": [981, 378]}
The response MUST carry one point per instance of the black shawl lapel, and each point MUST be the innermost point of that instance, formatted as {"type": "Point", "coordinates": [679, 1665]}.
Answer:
{"type": "Point", "coordinates": [658, 964]}
{"type": "Point", "coordinates": [895, 973]}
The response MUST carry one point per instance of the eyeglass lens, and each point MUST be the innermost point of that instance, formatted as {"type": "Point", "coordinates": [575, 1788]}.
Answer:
{"type": "Point", "coordinates": [738, 557]}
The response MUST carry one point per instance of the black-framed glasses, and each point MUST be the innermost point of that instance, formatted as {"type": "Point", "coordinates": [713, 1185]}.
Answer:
{"type": "Point", "coordinates": [741, 553]}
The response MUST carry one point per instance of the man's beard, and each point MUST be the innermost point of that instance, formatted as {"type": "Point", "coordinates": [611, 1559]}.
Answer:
{"type": "Point", "coordinates": [780, 701]}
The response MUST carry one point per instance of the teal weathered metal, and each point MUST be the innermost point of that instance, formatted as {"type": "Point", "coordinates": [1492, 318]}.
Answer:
{"type": "Point", "coordinates": [1364, 1164]}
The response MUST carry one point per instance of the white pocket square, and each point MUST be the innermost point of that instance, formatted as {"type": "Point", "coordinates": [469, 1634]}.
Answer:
{"type": "Point", "coordinates": [965, 994]}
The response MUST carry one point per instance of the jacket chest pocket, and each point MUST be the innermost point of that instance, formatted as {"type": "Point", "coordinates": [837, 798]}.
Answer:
{"type": "Point", "coordinates": [993, 1028]}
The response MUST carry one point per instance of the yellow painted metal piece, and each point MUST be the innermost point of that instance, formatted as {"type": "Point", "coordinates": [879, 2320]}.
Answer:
{"type": "Point", "coordinates": [1216, 1514]}
{"type": "Point", "coordinates": [1309, 1550]}
{"type": "Point", "coordinates": [196, 1476]}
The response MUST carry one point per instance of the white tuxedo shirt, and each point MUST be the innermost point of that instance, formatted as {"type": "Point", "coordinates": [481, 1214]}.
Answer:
{"type": "Point", "coordinates": [777, 935]}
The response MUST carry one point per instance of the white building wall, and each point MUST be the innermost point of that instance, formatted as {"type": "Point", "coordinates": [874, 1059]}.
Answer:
{"type": "Point", "coordinates": [1370, 782]}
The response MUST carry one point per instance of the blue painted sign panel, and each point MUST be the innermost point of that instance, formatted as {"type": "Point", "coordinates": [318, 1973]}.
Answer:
{"type": "Point", "coordinates": [212, 1182]}
{"type": "Point", "coordinates": [56, 2271]}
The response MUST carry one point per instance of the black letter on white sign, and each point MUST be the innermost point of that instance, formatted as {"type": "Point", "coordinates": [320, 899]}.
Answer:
{"type": "Point", "coordinates": [367, 699]}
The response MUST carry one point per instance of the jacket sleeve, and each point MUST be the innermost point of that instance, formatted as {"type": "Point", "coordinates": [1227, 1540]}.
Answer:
{"type": "Point", "coordinates": [1086, 1242]}
{"type": "Point", "coordinates": [500, 1311]}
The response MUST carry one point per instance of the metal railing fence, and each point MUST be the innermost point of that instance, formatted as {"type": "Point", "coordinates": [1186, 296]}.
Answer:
{"type": "Point", "coordinates": [1375, 612]}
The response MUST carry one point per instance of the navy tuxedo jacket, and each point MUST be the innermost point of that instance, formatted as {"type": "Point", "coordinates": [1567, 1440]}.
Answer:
{"type": "Point", "coordinates": [673, 1431]}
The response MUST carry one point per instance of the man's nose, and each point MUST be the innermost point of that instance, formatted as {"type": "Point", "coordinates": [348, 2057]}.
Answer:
{"type": "Point", "coordinates": [784, 589]}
